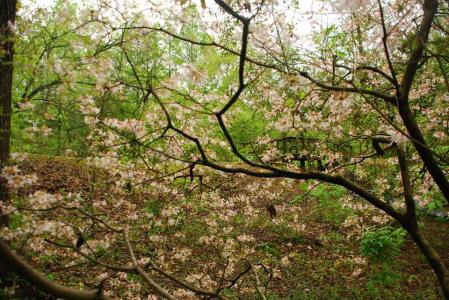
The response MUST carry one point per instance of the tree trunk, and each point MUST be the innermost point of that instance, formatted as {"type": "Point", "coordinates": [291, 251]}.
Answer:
{"type": "Point", "coordinates": [7, 21]}
{"type": "Point", "coordinates": [427, 157]}
{"type": "Point", "coordinates": [432, 257]}
{"type": "Point", "coordinates": [430, 8]}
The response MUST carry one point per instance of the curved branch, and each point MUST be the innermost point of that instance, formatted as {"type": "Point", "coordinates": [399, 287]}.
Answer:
{"type": "Point", "coordinates": [157, 288]}
{"type": "Point", "coordinates": [387, 98]}
{"type": "Point", "coordinates": [17, 264]}
{"type": "Point", "coordinates": [185, 284]}
{"type": "Point", "coordinates": [230, 11]}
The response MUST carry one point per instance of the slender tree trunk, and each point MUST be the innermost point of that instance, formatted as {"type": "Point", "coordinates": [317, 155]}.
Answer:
{"type": "Point", "coordinates": [433, 258]}
{"type": "Point", "coordinates": [7, 21]}
{"type": "Point", "coordinates": [430, 8]}
{"type": "Point", "coordinates": [427, 157]}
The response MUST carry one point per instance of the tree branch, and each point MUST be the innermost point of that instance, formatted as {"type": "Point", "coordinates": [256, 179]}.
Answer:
{"type": "Point", "coordinates": [26, 271]}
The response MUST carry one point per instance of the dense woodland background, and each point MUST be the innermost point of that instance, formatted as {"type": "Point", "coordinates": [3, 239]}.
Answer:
{"type": "Point", "coordinates": [224, 149]}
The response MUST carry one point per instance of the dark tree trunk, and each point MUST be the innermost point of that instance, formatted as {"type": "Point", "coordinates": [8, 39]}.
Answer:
{"type": "Point", "coordinates": [7, 21]}
{"type": "Point", "coordinates": [430, 8]}
{"type": "Point", "coordinates": [433, 258]}
{"type": "Point", "coordinates": [427, 157]}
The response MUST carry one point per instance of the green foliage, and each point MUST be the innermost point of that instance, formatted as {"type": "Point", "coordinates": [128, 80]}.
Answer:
{"type": "Point", "coordinates": [383, 243]}
{"type": "Point", "coordinates": [48, 259]}
{"type": "Point", "coordinates": [195, 228]}
{"type": "Point", "coordinates": [286, 234]}
{"type": "Point", "coordinates": [154, 207]}
{"type": "Point", "coordinates": [321, 191]}
{"type": "Point", "coordinates": [436, 202]}
{"type": "Point", "coordinates": [381, 281]}
{"type": "Point", "coordinates": [297, 199]}
{"type": "Point", "coordinates": [247, 126]}
{"type": "Point", "coordinates": [100, 251]}
{"type": "Point", "coordinates": [324, 192]}
{"type": "Point", "coordinates": [270, 249]}
{"type": "Point", "coordinates": [15, 220]}
{"type": "Point", "coordinates": [329, 209]}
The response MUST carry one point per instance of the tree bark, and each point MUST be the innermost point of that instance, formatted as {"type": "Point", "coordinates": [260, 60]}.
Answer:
{"type": "Point", "coordinates": [433, 258]}
{"type": "Point", "coordinates": [430, 8]}
{"type": "Point", "coordinates": [7, 21]}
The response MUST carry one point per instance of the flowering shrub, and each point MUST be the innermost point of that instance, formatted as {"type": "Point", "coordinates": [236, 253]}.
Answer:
{"type": "Point", "coordinates": [178, 105]}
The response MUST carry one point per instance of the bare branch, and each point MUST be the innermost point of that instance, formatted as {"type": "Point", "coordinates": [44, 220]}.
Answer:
{"type": "Point", "coordinates": [384, 41]}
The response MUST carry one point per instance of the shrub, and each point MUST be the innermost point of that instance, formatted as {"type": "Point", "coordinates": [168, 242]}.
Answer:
{"type": "Point", "coordinates": [382, 243]}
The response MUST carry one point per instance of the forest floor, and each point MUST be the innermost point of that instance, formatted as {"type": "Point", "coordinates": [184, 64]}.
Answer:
{"type": "Point", "coordinates": [320, 261]}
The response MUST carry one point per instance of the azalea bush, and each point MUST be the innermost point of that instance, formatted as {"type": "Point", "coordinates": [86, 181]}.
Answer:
{"type": "Point", "coordinates": [168, 105]}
